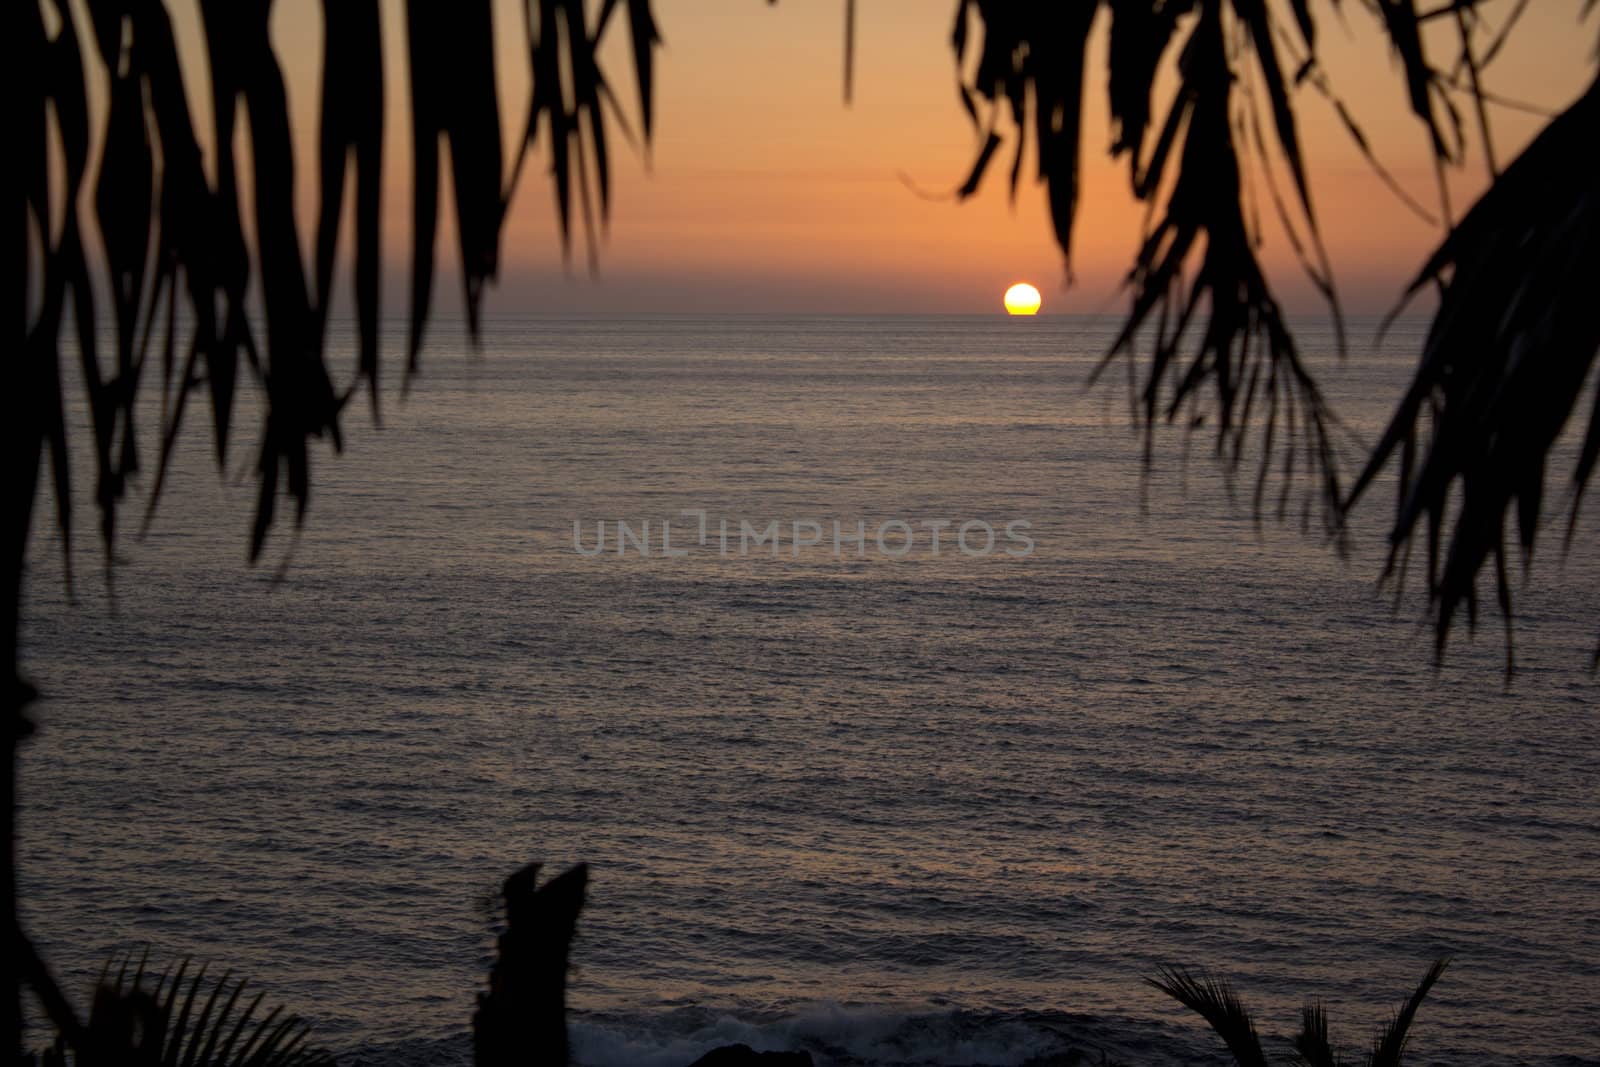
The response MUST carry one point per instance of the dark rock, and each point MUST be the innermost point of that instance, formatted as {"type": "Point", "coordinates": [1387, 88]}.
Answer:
{"type": "Point", "coordinates": [745, 1056]}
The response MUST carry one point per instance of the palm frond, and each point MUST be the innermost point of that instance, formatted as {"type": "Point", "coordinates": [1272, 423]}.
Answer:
{"type": "Point", "coordinates": [1311, 1045]}
{"type": "Point", "coordinates": [1389, 1048]}
{"type": "Point", "coordinates": [1030, 63]}
{"type": "Point", "coordinates": [1139, 36]}
{"type": "Point", "coordinates": [1501, 370]}
{"type": "Point", "coordinates": [1204, 327]}
{"type": "Point", "coordinates": [352, 131]}
{"type": "Point", "coordinates": [1219, 346]}
{"type": "Point", "coordinates": [173, 238]}
{"type": "Point", "coordinates": [185, 1020]}
{"type": "Point", "coordinates": [453, 99]}
{"type": "Point", "coordinates": [1205, 337]}
{"type": "Point", "coordinates": [1403, 24]}
{"type": "Point", "coordinates": [1214, 1001]}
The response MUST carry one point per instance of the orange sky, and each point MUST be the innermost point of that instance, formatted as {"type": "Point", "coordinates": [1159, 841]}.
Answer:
{"type": "Point", "coordinates": [765, 192]}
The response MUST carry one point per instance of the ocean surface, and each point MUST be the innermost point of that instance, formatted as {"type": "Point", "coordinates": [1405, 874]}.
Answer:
{"type": "Point", "coordinates": [924, 808]}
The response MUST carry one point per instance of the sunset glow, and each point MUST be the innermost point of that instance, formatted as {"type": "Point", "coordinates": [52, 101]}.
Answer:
{"type": "Point", "coordinates": [778, 197]}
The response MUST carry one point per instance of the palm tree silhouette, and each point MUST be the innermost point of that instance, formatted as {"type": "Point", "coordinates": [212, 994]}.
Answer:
{"type": "Point", "coordinates": [1499, 375]}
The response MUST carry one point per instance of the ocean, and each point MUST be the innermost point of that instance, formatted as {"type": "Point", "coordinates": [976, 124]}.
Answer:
{"type": "Point", "coordinates": [888, 803]}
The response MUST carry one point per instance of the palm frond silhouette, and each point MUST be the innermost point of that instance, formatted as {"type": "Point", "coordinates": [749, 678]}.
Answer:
{"type": "Point", "coordinates": [164, 224]}
{"type": "Point", "coordinates": [1214, 1000]}
{"type": "Point", "coordinates": [1501, 370]}
{"type": "Point", "coordinates": [178, 269]}
{"type": "Point", "coordinates": [183, 1019]}
{"type": "Point", "coordinates": [1510, 346]}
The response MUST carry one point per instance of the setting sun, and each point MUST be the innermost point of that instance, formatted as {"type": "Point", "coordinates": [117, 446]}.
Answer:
{"type": "Point", "coordinates": [1022, 299]}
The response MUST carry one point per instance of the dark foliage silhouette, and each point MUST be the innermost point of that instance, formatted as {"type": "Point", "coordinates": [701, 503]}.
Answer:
{"type": "Point", "coordinates": [173, 253]}
{"type": "Point", "coordinates": [1214, 1000]}
{"type": "Point", "coordinates": [183, 1020]}
{"type": "Point", "coordinates": [179, 268]}
{"type": "Point", "coordinates": [1510, 346]}
{"type": "Point", "coordinates": [1503, 366]}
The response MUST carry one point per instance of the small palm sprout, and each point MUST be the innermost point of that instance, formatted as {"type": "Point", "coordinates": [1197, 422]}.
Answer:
{"type": "Point", "coordinates": [1214, 1000]}
{"type": "Point", "coordinates": [182, 1020]}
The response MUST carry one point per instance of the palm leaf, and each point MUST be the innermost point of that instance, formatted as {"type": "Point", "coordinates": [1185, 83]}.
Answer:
{"type": "Point", "coordinates": [1214, 1001]}
{"type": "Point", "coordinates": [454, 99]}
{"type": "Point", "coordinates": [352, 127]}
{"type": "Point", "coordinates": [1216, 348]}
{"type": "Point", "coordinates": [1204, 334]}
{"type": "Point", "coordinates": [180, 266]}
{"type": "Point", "coordinates": [1404, 26]}
{"type": "Point", "coordinates": [1501, 369]}
{"type": "Point", "coordinates": [1311, 1046]}
{"type": "Point", "coordinates": [1244, 362]}
{"type": "Point", "coordinates": [1031, 62]}
{"type": "Point", "coordinates": [187, 1020]}
{"type": "Point", "coordinates": [1389, 1048]}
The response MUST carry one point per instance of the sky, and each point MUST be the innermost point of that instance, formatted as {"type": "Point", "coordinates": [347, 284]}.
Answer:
{"type": "Point", "coordinates": [764, 191]}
